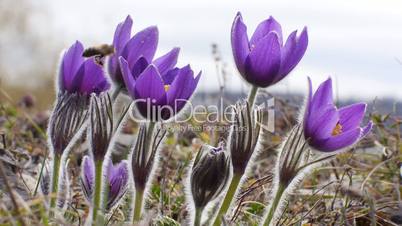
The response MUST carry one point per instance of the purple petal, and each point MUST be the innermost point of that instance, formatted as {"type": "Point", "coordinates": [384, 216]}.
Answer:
{"type": "Point", "coordinates": [320, 125]}
{"type": "Point", "coordinates": [91, 76]}
{"type": "Point", "coordinates": [240, 44]}
{"type": "Point", "coordinates": [264, 61]}
{"type": "Point", "coordinates": [70, 64]}
{"type": "Point", "coordinates": [118, 178]}
{"type": "Point", "coordinates": [167, 61]}
{"type": "Point", "coordinates": [169, 77]}
{"type": "Point", "coordinates": [114, 69]}
{"type": "Point", "coordinates": [351, 116]}
{"type": "Point", "coordinates": [322, 98]}
{"type": "Point", "coordinates": [102, 86]}
{"type": "Point", "coordinates": [87, 177]}
{"type": "Point", "coordinates": [129, 80]}
{"type": "Point", "coordinates": [293, 51]}
{"type": "Point", "coordinates": [143, 44]}
{"type": "Point", "coordinates": [118, 181]}
{"type": "Point", "coordinates": [264, 28]}
{"type": "Point", "coordinates": [366, 129]}
{"type": "Point", "coordinates": [182, 86]}
{"type": "Point", "coordinates": [337, 142]}
{"type": "Point", "coordinates": [139, 67]}
{"type": "Point", "coordinates": [150, 85]}
{"type": "Point", "coordinates": [122, 34]}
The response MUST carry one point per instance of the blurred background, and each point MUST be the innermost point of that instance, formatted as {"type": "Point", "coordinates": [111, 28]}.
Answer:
{"type": "Point", "coordinates": [358, 43]}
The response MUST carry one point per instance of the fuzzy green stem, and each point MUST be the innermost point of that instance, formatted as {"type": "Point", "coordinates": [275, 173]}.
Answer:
{"type": "Point", "coordinates": [139, 195]}
{"type": "Point", "coordinates": [252, 95]}
{"type": "Point", "coordinates": [278, 195]}
{"type": "Point", "coordinates": [198, 214]}
{"type": "Point", "coordinates": [55, 184]}
{"type": "Point", "coordinates": [97, 204]}
{"type": "Point", "coordinates": [228, 198]}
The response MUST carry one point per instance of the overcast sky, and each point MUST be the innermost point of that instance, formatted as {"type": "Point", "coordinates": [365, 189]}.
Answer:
{"type": "Point", "coordinates": [359, 43]}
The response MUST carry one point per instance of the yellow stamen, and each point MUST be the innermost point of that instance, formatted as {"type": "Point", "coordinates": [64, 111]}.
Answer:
{"type": "Point", "coordinates": [337, 130]}
{"type": "Point", "coordinates": [167, 87]}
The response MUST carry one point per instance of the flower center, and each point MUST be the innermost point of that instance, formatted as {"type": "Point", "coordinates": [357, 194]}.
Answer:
{"type": "Point", "coordinates": [167, 87]}
{"type": "Point", "coordinates": [337, 130]}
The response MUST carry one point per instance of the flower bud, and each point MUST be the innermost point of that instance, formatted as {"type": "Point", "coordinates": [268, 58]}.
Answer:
{"type": "Point", "coordinates": [68, 117]}
{"type": "Point", "coordinates": [209, 175]}
{"type": "Point", "coordinates": [244, 135]}
{"type": "Point", "coordinates": [101, 129]}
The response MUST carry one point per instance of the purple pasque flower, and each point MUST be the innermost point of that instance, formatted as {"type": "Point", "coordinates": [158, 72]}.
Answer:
{"type": "Point", "coordinates": [161, 90]}
{"type": "Point", "coordinates": [81, 75]}
{"type": "Point", "coordinates": [264, 59]}
{"type": "Point", "coordinates": [328, 128]}
{"type": "Point", "coordinates": [117, 178]}
{"type": "Point", "coordinates": [137, 50]}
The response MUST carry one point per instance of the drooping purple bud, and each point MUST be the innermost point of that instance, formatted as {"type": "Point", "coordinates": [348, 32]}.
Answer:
{"type": "Point", "coordinates": [210, 173]}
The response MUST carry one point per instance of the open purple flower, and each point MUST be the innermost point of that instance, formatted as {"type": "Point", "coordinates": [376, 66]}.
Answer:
{"type": "Point", "coordinates": [328, 128]}
{"type": "Point", "coordinates": [161, 90]}
{"type": "Point", "coordinates": [137, 50]}
{"type": "Point", "coordinates": [81, 75]}
{"type": "Point", "coordinates": [264, 59]}
{"type": "Point", "coordinates": [117, 178]}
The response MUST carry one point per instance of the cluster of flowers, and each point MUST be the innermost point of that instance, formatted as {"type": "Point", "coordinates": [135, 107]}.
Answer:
{"type": "Point", "coordinates": [84, 107]}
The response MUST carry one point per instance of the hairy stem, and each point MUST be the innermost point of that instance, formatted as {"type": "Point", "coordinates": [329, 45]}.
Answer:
{"type": "Point", "coordinates": [116, 92]}
{"type": "Point", "coordinates": [252, 95]}
{"type": "Point", "coordinates": [274, 206]}
{"type": "Point", "coordinates": [228, 198]}
{"type": "Point", "coordinates": [55, 184]}
{"type": "Point", "coordinates": [139, 195]}
{"type": "Point", "coordinates": [198, 214]}
{"type": "Point", "coordinates": [97, 197]}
